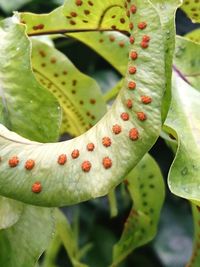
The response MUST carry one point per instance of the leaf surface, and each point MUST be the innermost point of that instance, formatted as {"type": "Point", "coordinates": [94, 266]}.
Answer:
{"type": "Point", "coordinates": [24, 242]}
{"type": "Point", "coordinates": [71, 172]}
{"type": "Point", "coordinates": [192, 9]}
{"type": "Point", "coordinates": [79, 95]}
{"type": "Point", "coordinates": [146, 188]}
{"type": "Point", "coordinates": [21, 94]}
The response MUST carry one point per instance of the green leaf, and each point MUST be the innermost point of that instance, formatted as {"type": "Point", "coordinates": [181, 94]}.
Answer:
{"type": "Point", "coordinates": [187, 61]}
{"type": "Point", "coordinates": [192, 9]}
{"type": "Point", "coordinates": [194, 36]}
{"type": "Point", "coordinates": [25, 103]}
{"type": "Point", "coordinates": [195, 258]}
{"type": "Point", "coordinates": [183, 118]}
{"type": "Point", "coordinates": [89, 16]}
{"type": "Point", "coordinates": [10, 212]}
{"type": "Point", "coordinates": [79, 95]}
{"type": "Point", "coordinates": [120, 138]}
{"type": "Point", "coordinates": [146, 188]}
{"type": "Point", "coordinates": [12, 5]}
{"type": "Point", "coordinates": [23, 243]}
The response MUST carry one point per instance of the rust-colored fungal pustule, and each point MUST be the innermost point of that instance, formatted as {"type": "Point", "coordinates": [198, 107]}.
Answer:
{"type": "Point", "coordinates": [107, 163]}
{"type": "Point", "coordinates": [133, 9]}
{"type": "Point", "coordinates": [131, 26]}
{"type": "Point", "coordinates": [142, 25]}
{"type": "Point", "coordinates": [125, 116]}
{"type": "Point", "coordinates": [90, 147]}
{"type": "Point", "coordinates": [141, 116]}
{"type": "Point", "coordinates": [13, 162]}
{"type": "Point", "coordinates": [144, 45]}
{"type": "Point", "coordinates": [62, 159]}
{"type": "Point", "coordinates": [116, 129]}
{"type": "Point", "coordinates": [79, 2]}
{"type": "Point", "coordinates": [131, 85]}
{"type": "Point", "coordinates": [106, 141]}
{"type": "Point", "coordinates": [36, 187]}
{"type": "Point", "coordinates": [133, 55]}
{"type": "Point", "coordinates": [86, 166]}
{"type": "Point", "coordinates": [146, 38]}
{"type": "Point", "coordinates": [29, 164]}
{"type": "Point", "coordinates": [133, 134]}
{"type": "Point", "coordinates": [132, 39]}
{"type": "Point", "coordinates": [75, 154]}
{"type": "Point", "coordinates": [146, 99]}
{"type": "Point", "coordinates": [129, 103]}
{"type": "Point", "coordinates": [132, 70]}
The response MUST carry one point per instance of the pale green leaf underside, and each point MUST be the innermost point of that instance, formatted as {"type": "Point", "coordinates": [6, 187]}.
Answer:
{"type": "Point", "coordinates": [79, 95]}
{"type": "Point", "coordinates": [192, 9]}
{"type": "Point", "coordinates": [69, 183]}
{"type": "Point", "coordinates": [183, 118]}
{"type": "Point", "coordinates": [10, 212]}
{"type": "Point", "coordinates": [187, 60]}
{"type": "Point", "coordinates": [24, 242]}
{"type": "Point", "coordinates": [194, 36]}
{"type": "Point", "coordinates": [20, 93]}
{"type": "Point", "coordinates": [146, 187]}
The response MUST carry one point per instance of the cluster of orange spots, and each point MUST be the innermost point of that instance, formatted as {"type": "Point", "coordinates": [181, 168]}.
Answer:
{"type": "Point", "coordinates": [146, 99]}
{"type": "Point", "coordinates": [86, 166]}
{"type": "Point", "coordinates": [36, 187]}
{"type": "Point", "coordinates": [125, 116]}
{"type": "Point", "coordinates": [129, 103]}
{"type": "Point", "coordinates": [133, 55]}
{"type": "Point", "coordinates": [133, 134]}
{"type": "Point", "coordinates": [13, 162]}
{"type": "Point", "coordinates": [131, 85]}
{"type": "Point", "coordinates": [132, 40]}
{"type": "Point", "coordinates": [107, 163]}
{"type": "Point", "coordinates": [38, 27]}
{"type": "Point", "coordinates": [116, 129]}
{"type": "Point", "coordinates": [106, 141]}
{"type": "Point", "coordinates": [132, 70]}
{"type": "Point", "coordinates": [75, 154]}
{"type": "Point", "coordinates": [90, 147]}
{"type": "Point", "coordinates": [29, 165]}
{"type": "Point", "coordinates": [62, 159]}
{"type": "Point", "coordinates": [141, 116]}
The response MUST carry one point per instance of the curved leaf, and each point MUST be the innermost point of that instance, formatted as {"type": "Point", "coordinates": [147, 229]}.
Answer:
{"type": "Point", "coordinates": [183, 118]}
{"type": "Point", "coordinates": [146, 188]}
{"type": "Point", "coordinates": [73, 171]}
{"type": "Point", "coordinates": [20, 92]}
{"type": "Point", "coordinates": [22, 244]}
{"type": "Point", "coordinates": [10, 212]}
{"type": "Point", "coordinates": [79, 95]}
{"type": "Point", "coordinates": [192, 9]}
{"type": "Point", "coordinates": [187, 61]}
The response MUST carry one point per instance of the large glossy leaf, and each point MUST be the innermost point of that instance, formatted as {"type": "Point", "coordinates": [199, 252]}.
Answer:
{"type": "Point", "coordinates": [146, 187]}
{"type": "Point", "coordinates": [79, 95]}
{"type": "Point", "coordinates": [183, 119]}
{"type": "Point", "coordinates": [10, 212]}
{"type": "Point", "coordinates": [192, 9]}
{"type": "Point", "coordinates": [21, 94]}
{"type": "Point", "coordinates": [194, 36]}
{"type": "Point", "coordinates": [195, 258]}
{"type": "Point", "coordinates": [73, 171]}
{"type": "Point", "coordinates": [23, 243]}
{"type": "Point", "coordinates": [187, 61]}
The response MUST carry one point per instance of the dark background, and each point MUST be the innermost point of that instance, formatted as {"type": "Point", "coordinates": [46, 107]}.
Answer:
{"type": "Point", "coordinates": [173, 245]}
